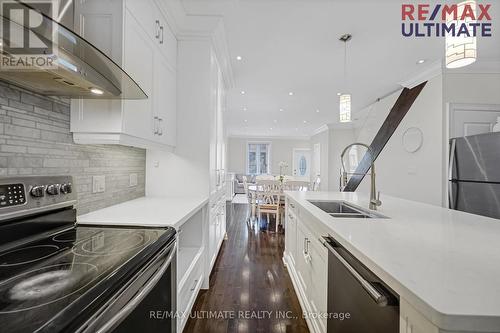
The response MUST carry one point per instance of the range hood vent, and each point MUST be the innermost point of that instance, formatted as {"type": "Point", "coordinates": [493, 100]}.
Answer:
{"type": "Point", "coordinates": [52, 60]}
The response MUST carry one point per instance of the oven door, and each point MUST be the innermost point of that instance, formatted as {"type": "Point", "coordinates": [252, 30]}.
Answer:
{"type": "Point", "coordinates": [146, 304]}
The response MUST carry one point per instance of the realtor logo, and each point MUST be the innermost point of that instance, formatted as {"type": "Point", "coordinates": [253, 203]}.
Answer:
{"type": "Point", "coordinates": [28, 37]}
{"type": "Point", "coordinates": [463, 20]}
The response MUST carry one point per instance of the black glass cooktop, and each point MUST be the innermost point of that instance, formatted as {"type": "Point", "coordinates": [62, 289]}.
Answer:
{"type": "Point", "coordinates": [49, 277]}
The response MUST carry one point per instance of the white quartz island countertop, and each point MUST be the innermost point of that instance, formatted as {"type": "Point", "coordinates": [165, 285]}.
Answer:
{"type": "Point", "coordinates": [444, 263]}
{"type": "Point", "coordinates": [147, 211]}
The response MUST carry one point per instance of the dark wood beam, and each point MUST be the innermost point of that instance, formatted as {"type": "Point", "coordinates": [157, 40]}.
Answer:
{"type": "Point", "coordinates": [391, 123]}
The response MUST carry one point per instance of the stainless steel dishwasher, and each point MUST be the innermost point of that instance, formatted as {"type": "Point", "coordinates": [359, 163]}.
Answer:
{"type": "Point", "coordinates": [363, 301]}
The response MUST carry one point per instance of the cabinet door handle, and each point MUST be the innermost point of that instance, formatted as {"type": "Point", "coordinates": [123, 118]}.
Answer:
{"type": "Point", "coordinates": [157, 29]}
{"type": "Point", "coordinates": [292, 205]}
{"type": "Point", "coordinates": [155, 125]}
{"type": "Point", "coordinates": [195, 283]}
{"type": "Point", "coordinates": [162, 34]}
{"type": "Point", "coordinates": [160, 126]}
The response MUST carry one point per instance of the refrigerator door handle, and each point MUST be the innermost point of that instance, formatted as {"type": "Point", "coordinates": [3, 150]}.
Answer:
{"type": "Point", "coordinates": [452, 158]}
{"type": "Point", "coordinates": [451, 201]}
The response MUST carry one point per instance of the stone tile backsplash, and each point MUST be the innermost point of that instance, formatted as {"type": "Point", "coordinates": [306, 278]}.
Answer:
{"type": "Point", "coordinates": [35, 140]}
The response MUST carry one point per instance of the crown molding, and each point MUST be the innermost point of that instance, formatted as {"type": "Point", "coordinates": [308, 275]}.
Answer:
{"type": "Point", "coordinates": [277, 137]}
{"type": "Point", "coordinates": [174, 13]}
{"type": "Point", "coordinates": [479, 67]}
{"type": "Point", "coordinates": [437, 68]}
{"type": "Point", "coordinates": [432, 70]}
{"type": "Point", "coordinates": [321, 129]}
{"type": "Point", "coordinates": [200, 28]}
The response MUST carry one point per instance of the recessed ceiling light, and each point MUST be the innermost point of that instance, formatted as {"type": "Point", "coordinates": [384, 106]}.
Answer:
{"type": "Point", "coordinates": [239, 58]}
{"type": "Point", "coordinates": [421, 61]}
{"type": "Point", "coordinates": [290, 93]}
{"type": "Point", "coordinates": [317, 111]}
{"type": "Point", "coordinates": [305, 121]}
{"type": "Point", "coordinates": [244, 109]}
{"type": "Point", "coordinates": [96, 91]}
{"type": "Point", "coordinates": [338, 94]}
{"type": "Point", "coordinates": [243, 92]}
{"type": "Point", "coordinates": [271, 128]}
{"type": "Point", "coordinates": [245, 121]}
{"type": "Point", "coordinates": [275, 121]}
{"type": "Point", "coordinates": [281, 110]}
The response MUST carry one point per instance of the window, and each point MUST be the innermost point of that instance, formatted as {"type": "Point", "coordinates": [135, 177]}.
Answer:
{"type": "Point", "coordinates": [258, 158]}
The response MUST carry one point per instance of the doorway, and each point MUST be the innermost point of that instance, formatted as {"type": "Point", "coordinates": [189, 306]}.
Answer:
{"type": "Point", "coordinates": [472, 119]}
{"type": "Point", "coordinates": [302, 163]}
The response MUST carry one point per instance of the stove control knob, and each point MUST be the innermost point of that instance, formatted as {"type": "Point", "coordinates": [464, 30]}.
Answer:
{"type": "Point", "coordinates": [66, 188]}
{"type": "Point", "coordinates": [38, 191]}
{"type": "Point", "coordinates": [53, 189]}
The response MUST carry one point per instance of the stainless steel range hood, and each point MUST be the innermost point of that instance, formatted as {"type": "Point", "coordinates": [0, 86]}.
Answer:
{"type": "Point", "coordinates": [62, 63]}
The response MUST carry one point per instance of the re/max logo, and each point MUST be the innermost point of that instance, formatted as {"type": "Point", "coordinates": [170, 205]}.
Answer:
{"type": "Point", "coordinates": [422, 12]}
{"type": "Point", "coordinates": [460, 20]}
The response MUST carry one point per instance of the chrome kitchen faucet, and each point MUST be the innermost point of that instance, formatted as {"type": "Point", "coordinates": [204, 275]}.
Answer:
{"type": "Point", "coordinates": [374, 198]}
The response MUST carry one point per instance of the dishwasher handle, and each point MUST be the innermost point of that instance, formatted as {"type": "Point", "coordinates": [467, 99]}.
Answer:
{"type": "Point", "coordinates": [380, 299]}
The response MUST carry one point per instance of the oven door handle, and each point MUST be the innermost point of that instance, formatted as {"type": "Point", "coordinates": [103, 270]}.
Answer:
{"type": "Point", "coordinates": [380, 299]}
{"type": "Point", "coordinates": [134, 302]}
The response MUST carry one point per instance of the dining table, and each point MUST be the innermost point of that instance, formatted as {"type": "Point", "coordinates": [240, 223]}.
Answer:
{"type": "Point", "coordinates": [254, 189]}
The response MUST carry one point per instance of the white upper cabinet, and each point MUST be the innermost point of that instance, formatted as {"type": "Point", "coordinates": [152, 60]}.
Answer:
{"type": "Point", "coordinates": [135, 34]}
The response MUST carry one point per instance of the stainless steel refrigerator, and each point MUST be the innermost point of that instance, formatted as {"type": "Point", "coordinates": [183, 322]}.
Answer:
{"type": "Point", "coordinates": [474, 174]}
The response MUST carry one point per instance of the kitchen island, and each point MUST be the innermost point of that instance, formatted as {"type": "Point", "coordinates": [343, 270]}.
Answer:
{"type": "Point", "coordinates": [442, 263]}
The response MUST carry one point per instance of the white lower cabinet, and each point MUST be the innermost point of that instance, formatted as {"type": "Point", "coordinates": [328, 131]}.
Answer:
{"type": "Point", "coordinates": [191, 257]}
{"type": "Point", "coordinates": [216, 227]}
{"type": "Point", "coordinates": [188, 293]}
{"type": "Point", "coordinates": [411, 321]}
{"type": "Point", "coordinates": [290, 235]}
{"type": "Point", "coordinates": [307, 262]}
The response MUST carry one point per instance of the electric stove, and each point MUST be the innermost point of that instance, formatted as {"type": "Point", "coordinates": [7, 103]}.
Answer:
{"type": "Point", "coordinates": [56, 276]}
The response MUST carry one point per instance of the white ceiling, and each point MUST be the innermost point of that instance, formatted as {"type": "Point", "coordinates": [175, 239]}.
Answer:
{"type": "Point", "coordinates": [292, 45]}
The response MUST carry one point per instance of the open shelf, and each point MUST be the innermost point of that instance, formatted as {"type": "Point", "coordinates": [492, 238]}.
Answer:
{"type": "Point", "coordinates": [186, 260]}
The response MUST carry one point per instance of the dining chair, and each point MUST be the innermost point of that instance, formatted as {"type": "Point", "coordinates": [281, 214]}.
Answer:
{"type": "Point", "coordinates": [249, 197]}
{"type": "Point", "coordinates": [316, 186]}
{"type": "Point", "coordinates": [269, 200]}
{"type": "Point", "coordinates": [296, 185]}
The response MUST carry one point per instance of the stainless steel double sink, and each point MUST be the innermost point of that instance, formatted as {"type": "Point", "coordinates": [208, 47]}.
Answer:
{"type": "Point", "coordinates": [342, 209]}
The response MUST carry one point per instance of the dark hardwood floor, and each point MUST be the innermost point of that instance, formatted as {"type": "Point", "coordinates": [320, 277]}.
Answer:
{"type": "Point", "coordinates": [250, 282]}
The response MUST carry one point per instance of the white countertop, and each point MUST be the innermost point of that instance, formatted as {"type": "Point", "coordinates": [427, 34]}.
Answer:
{"type": "Point", "coordinates": [445, 263]}
{"type": "Point", "coordinates": [147, 211]}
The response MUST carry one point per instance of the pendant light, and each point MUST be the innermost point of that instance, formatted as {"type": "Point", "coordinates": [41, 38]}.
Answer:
{"type": "Point", "coordinates": [344, 98]}
{"type": "Point", "coordinates": [461, 50]}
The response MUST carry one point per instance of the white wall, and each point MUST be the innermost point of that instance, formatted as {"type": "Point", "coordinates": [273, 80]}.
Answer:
{"type": "Point", "coordinates": [281, 150]}
{"type": "Point", "coordinates": [414, 176]}
{"type": "Point", "coordinates": [323, 139]}
{"type": "Point", "coordinates": [339, 139]}
{"type": "Point", "coordinates": [472, 88]}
